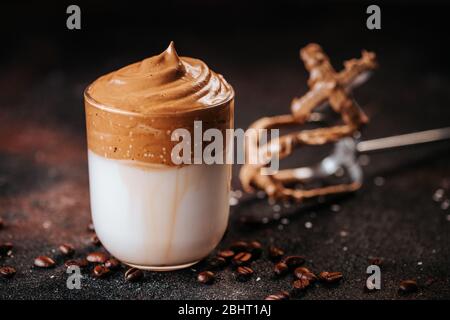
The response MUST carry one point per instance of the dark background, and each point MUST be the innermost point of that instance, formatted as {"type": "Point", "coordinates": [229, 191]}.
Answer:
{"type": "Point", "coordinates": [44, 201]}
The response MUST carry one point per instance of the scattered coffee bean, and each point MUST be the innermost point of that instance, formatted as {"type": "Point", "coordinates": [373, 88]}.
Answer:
{"type": "Point", "coordinates": [67, 250]}
{"type": "Point", "coordinates": [305, 273]}
{"type": "Point", "coordinates": [82, 263]}
{"type": "Point", "coordinates": [95, 240]}
{"type": "Point", "coordinates": [239, 246]}
{"type": "Point", "coordinates": [283, 295]}
{"type": "Point", "coordinates": [7, 272]}
{"type": "Point", "coordinates": [206, 277]}
{"type": "Point", "coordinates": [133, 275]}
{"type": "Point", "coordinates": [91, 227]}
{"type": "Point", "coordinates": [44, 262]}
{"type": "Point", "coordinates": [100, 271]}
{"type": "Point", "coordinates": [97, 257]}
{"type": "Point", "coordinates": [293, 261]}
{"type": "Point", "coordinates": [280, 269]}
{"type": "Point", "coordinates": [5, 248]}
{"type": "Point", "coordinates": [217, 263]}
{"type": "Point", "coordinates": [255, 248]}
{"type": "Point", "coordinates": [301, 284]}
{"type": "Point", "coordinates": [112, 263]}
{"type": "Point", "coordinates": [376, 261]}
{"type": "Point", "coordinates": [275, 253]}
{"type": "Point", "coordinates": [242, 258]}
{"type": "Point", "coordinates": [226, 254]}
{"type": "Point", "coordinates": [244, 273]}
{"type": "Point", "coordinates": [407, 286]}
{"type": "Point", "coordinates": [330, 277]}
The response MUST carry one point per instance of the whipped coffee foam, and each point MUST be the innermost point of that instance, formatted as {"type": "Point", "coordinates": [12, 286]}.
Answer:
{"type": "Point", "coordinates": [165, 83]}
{"type": "Point", "coordinates": [131, 112]}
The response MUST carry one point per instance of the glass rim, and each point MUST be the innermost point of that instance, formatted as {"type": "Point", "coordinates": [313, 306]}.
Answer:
{"type": "Point", "coordinates": [111, 109]}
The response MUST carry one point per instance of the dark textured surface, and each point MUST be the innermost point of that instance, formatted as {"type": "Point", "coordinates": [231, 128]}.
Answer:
{"type": "Point", "coordinates": [44, 197]}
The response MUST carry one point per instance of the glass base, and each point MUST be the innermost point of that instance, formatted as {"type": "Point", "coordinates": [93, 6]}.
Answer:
{"type": "Point", "coordinates": [162, 268]}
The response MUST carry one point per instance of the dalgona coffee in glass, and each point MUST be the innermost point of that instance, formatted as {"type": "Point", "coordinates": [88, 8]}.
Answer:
{"type": "Point", "coordinates": [148, 211]}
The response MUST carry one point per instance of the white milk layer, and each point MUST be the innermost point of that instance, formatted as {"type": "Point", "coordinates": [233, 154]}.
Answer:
{"type": "Point", "coordinates": [158, 217]}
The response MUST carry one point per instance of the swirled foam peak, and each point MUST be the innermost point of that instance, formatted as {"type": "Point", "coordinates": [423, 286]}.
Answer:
{"type": "Point", "coordinates": [166, 83]}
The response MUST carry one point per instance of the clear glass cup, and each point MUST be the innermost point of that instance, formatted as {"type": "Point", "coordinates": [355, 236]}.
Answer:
{"type": "Point", "coordinates": [148, 214]}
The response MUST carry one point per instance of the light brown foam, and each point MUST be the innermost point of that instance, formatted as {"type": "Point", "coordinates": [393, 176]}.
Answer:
{"type": "Point", "coordinates": [165, 83]}
{"type": "Point", "coordinates": [132, 112]}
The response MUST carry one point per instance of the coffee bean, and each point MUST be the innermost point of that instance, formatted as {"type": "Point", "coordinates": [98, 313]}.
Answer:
{"type": "Point", "coordinates": [81, 263]}
{"type": "Point", "coordinates": [275, 253]}
{"type": "Point", "coordinates": [5, 248]}
{"type": "Point", "coordinates": [301, 284]}
{"type": "Point", "coordinates": [226, 254]}
{"type": "Point", "coordinates": [91, 227]}
{"type": "Point", "coordinates": [44, 262]}
{"type": "Point", "coordinates": [283, 295]}
{"type": "Point", "coordinates": [100, 271]}
{"type": "Point", "coordinates": [255, 248]}
{"type": "Point", "coordinates": [330, 277]}
{"type": "Point", "coordinates": [293, 261]}
{"type": "Point", "coordinates": [112, 263]}
{"type": "Point", "coordinates": [305, 273]}
{"type": "Point", "coordinates": [255, 245]}
{"type": "Point", "coordinates": [133, 275]}
{"type": "Point", "coordinates": [206, 277]}
{"type": "Point", "coordinates": [70, 263]}
{"type": "Point", "coordinates": [376, 261]}
{"type": "Point", "coordinates": [217, 263]}
{"type": "Point", "coordinates": [67, 250]}
{"type": "Point", "coordinates": [7, 272]}
{"type": "Point", "coordinates": [97, 257]}
{"type": "Point", "coordinates": [242, 258]}
{"type": "Point", "coordinates": [407, 286]}
{"type": "Point", "coordinates": [280, 269]}
{"type": "Point", "coordinates": [95, 240]}
{"type": "Point", "coordinates": [239, 246]}
{"type": "Point", "coordinates": [244, 273]}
